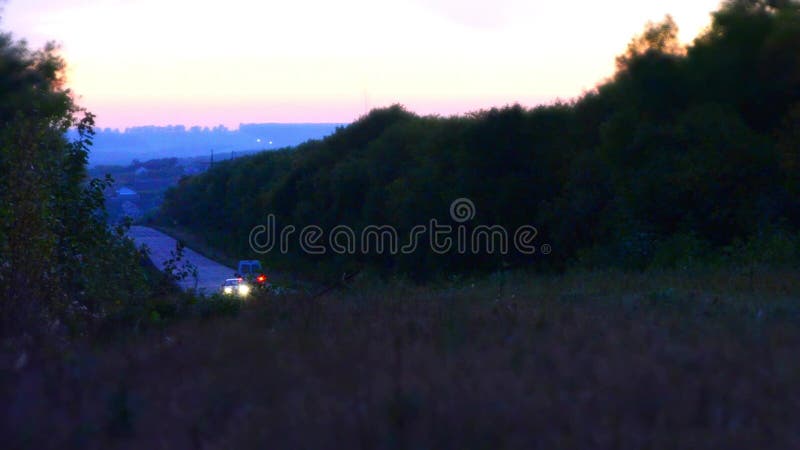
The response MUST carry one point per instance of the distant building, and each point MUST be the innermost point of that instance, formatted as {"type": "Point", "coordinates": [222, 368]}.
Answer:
{"type": "Point", "coordinates": [141, 171]}
{"type": "Point", "coordinates": [127, 193]}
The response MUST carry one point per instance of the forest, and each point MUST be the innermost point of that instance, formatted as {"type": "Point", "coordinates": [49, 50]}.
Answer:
{"type": "Point", "coordinates": [687, 156]}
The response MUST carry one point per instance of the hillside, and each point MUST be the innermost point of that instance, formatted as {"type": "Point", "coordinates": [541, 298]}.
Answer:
{"type": "Point", "coordinates": [686, 155]}
{"type": "Point", "coordinates": [591, 360]}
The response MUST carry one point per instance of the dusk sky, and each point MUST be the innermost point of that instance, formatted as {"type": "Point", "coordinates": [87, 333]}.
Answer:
{"type": "Point", "coordinates": [195, 62]}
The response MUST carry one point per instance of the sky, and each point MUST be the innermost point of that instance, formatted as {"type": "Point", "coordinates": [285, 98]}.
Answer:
{"type": "Point", "coordinates": [197, 62]}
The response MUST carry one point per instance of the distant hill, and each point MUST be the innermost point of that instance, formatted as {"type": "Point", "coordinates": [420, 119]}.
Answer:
{"type": "Point", "coordinates": [115, 147]}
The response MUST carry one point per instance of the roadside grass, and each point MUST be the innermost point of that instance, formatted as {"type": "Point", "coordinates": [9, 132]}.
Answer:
{"type": "Point", "coordinates": [598, 359]}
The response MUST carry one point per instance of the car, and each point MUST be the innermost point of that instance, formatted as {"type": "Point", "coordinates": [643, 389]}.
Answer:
{"type": "Point", "coordinates": [251, 270]}
{"type": "Point", "coordinates": [235, 286]}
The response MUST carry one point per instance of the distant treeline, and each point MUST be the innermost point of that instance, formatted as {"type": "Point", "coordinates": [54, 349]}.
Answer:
{"type": "Point", "coordinates": [116, 147]}
{"type": "Point", "coordinates": [687, 155]}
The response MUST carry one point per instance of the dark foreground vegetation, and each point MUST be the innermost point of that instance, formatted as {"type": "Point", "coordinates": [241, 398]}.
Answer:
{"type": "Point", "coordinates": [587, 360]}
{"type": "Point", "coordinates": [686, 156]}
{"type": "Point", "coordinates": [61, 267]}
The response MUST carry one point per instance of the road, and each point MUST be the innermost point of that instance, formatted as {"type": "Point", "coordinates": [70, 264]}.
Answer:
{"type": "Point", "coordinates": [211, 274]}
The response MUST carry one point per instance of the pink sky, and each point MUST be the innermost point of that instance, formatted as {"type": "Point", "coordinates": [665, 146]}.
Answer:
{"type": "Point", "coordinates": [205, 63]}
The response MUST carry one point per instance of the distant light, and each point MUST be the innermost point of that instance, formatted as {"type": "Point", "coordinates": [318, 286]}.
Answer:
{"type": "Point", "coordinates": [258, 140]}
{"type": "Point", "coordinates": [270, 142]}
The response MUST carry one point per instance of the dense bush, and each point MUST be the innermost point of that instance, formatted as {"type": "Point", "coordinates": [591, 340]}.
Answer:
{"type": "Point", "coordinates": [60, 264]}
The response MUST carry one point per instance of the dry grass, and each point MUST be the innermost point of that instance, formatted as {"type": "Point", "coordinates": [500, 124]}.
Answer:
{"type": "Point", "coordinates": [590, 360]}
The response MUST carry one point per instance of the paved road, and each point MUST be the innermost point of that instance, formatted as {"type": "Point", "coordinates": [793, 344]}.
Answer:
{"type": "Point", "coordinates": [211, 274]}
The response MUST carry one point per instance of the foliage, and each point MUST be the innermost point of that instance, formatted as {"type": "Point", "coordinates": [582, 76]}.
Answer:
{"type": "Point", "coordinates": [682, 146]}
{"type": "Point", "coordinates": [177, 268]}
{"type": "Point", "coordinates": [60, 264]}
{"type": "Point", "coordinates": [601, 359]}
{"type": "Point", "coordinates": [657, 39]}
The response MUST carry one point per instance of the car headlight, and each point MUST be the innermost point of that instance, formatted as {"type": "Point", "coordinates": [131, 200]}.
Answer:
{"type": "Point", "coordinates": [244, 289]}
{"type": "Point", "coordinates": [227, 290]}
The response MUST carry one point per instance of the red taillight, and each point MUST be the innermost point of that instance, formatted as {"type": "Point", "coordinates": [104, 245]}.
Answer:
{"type": "Point", "coordinates": [261, 278]}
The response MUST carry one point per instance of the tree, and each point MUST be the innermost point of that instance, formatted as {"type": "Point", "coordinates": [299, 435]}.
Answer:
{"type": "Point", "coordinates": [59, 261]}
{"type": "Point", "coordinates": [657, 38]}
{"type": "Point", "coordinates": [683, 144]}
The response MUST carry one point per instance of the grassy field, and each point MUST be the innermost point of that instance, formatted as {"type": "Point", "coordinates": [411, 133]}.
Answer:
{"type": "Point", "coordinates": [585, 360]}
